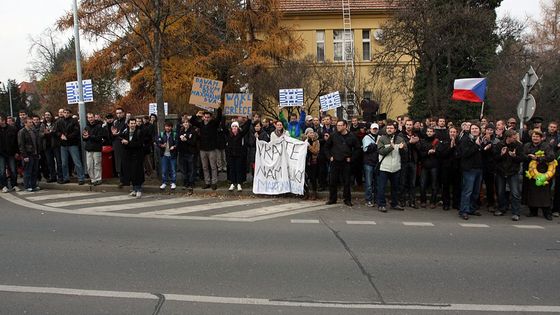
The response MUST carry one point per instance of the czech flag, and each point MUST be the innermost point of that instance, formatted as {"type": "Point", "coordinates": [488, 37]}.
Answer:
{"type": "Point", "coordinates": [470, 90]}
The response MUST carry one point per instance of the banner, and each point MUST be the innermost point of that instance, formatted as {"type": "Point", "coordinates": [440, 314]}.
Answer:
{"type": "Point", "coordinates": [330, 101]}
{"type": "Point", "coordinates": [291, 97]}
{"type": "Point", "coordinates": [152, 108]}
{"type": "Point", "coordinates": [206, 92]}
{"type": "Point", "coordinates": [280, 167]}
{"type": "Point", "coordinates": [240, 104]}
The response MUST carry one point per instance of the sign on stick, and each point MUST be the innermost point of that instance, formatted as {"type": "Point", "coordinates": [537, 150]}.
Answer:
{"type": "Point", "coordinates": [238, 104]}
{"type": "Point", "coordinates": [206, 92]}
{"type": "Point", "coordinates": [291, 97]}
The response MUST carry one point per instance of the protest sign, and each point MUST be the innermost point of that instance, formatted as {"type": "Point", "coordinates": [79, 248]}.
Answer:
{"type": "Point", "coordinates": [239, 104]}
{"type": "Point", "coordinates": [206, 92]}
{"type": "Point", "coordinates": [152, 108]}
{"type": "Point", "coordinates": [330, 101]}
{"type": "Point", "coordinates": [280, 167]}
{"type": "Point", "coordinates": [291, 97]}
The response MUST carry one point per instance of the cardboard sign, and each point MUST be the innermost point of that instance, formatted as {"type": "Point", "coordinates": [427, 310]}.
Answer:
{"type": "Point", "coordinates": [330, 101]}
{"type": "Point", "coordinates": [280, 166]}
{"type": "Point", "coordinates": [291, 97]}
{"type": "Point", "coordinates": [206, 92]}
{"type": "Point", "coordinates": [239, 104]}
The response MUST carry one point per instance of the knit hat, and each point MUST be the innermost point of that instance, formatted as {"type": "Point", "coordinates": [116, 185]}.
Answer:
{"type": "Point", "coordinates": [308, 130]}
{"type": "Point", "coordinates": [235, 123]}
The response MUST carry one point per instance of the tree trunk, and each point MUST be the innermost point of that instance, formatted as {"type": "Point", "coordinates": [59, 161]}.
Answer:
{"type": "Point", "coordinates": [159, 81]}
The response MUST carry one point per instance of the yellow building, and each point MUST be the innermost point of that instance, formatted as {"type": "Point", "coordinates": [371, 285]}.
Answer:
{"type": "Point", "coordinates": [320, 25]}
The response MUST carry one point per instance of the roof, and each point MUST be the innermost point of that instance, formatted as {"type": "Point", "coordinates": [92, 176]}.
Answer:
{"type": "Point", "coordinates": [301, 6]}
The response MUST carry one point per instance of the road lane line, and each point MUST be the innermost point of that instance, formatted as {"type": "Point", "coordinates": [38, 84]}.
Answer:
{"type": "Point", "coordinates": [60, 196]}
{"type": "Point", "coordinates": [86, 201]}
{"type": "Point", "coordinates": [135, 204]}
{"type": "Point", "coordinates": [286, 303]}
{"type": "Point", "coordinates": [418, 223]}
{"type": "Point", "coordinates": [299, 221]}
{"type": "Point", "coordinates": [203, 207]}
{"type": "Point", "coordinates": [268, 209]}
{"type": "Point", "coordinates": [294, 212]}
{"type": "Point", "coordinates": [361, 222]}
{"type": "Point", "coordinates": [472, 225]}
{"type": "Point", "coordinates": [530, 227]}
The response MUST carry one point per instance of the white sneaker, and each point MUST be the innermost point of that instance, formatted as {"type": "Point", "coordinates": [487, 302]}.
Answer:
{"type": "Point", "coordinates": [138, 195]}
{"type": "Point", "coordinates": [17, 189]}
{"type": "Point", "coordinates": [239, 187]}
{"type": "Point", "coordinates": [231, 187]}
{"type": "Point", "coordinates": [162, 187]}
{"type": "Point", "coordinates": [29, 189]}
{"type": "Point", "coordinates": [37, 188]}
{"type": "Point", "coordinates": [173, 186]}
{"type": "Point", "coordinates": [5, 190]}
{"type": "Point", "coordinates": [133, 194]}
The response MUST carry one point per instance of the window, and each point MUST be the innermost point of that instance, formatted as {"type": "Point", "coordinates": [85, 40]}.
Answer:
{"type": "Point", "coordinates": [320, 46]}
{"type": "Point", "coordinates": [341, 52]}
{"type": "Point", "coordinates": [366, 45]}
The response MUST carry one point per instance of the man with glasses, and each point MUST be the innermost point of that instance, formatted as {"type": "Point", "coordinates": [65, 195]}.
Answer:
{"type": "Point", "coordinates": [341, 149]}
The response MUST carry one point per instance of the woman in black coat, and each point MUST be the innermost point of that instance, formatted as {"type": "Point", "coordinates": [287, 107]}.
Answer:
{"type": "Point", "coordinates": [133, 169]}
{"type": "Point", "coordinates": [236, 154]}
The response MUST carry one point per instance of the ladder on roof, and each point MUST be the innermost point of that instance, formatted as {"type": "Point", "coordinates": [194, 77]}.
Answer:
{"type": "Point", "coordinates": [349, 66]}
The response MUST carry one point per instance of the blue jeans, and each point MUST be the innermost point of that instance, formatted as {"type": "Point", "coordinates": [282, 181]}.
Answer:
{"type": "Point", "coordinates": [382, 179]}
{"type": "Point", "coordinates": [514, 190]}
{"type": "Point", "coordinates": [75, 154]}
{"type": "Point", "coordinates": [370, 182]}
{"type": "Point", "coordinates": [30, 172]}
{"type": "Point", "coordinates": [470, 190]}
{"type": "Point", "coordinates": [168, 165]}
{"type": "Point", "coordinates": [9, 162]}
{"type": "Point", "coordinates": [188, 169]}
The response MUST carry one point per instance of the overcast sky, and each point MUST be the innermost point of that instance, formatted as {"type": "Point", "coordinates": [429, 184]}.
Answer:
{"type": "Point", "coordinates": [18, 22]}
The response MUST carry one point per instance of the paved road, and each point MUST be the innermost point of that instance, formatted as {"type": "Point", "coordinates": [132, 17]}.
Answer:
{"type": "Point", "coordinates": [60, 259]}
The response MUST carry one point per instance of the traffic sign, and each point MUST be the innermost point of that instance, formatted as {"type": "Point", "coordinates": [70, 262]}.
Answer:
{"type": "Point", "coordinates": [530, 79]}
{"type": "Point", "coordinates": [531, 107]}
{"type": "Point", "coordinates": [72, 91]}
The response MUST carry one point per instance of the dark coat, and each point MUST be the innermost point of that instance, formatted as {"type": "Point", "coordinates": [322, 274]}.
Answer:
{"type": "Point", "coordinates": [471, 153]}
{"type": "Point", "coordinates": [208, 132]}
{"type": "Point", "coordinates": [428, 161]}
{"type": "Point", "coordinates": [172, 138]}
{"type": "Point", "coordinates": [94, 143]}
{"type": "Point", "coordinates": [190, 145]}
{"type": "Point", "coordinates": [48, 137]}
{"type": "Point", "coordinates": [28, 141]}
{"type": "Point", "coordinates": [235, 144]}
{"type": "Point", "coordinates": [507, 165]}
{"type": "Point", "coordinates": [8, 141]}
{"type": "Point", "coordinates": [448, 156]}
{"type": "Point", "coordinates": [133, 166]}
{"type": "Point", "coordinates": [71, 129]}
{"type": "Point", "coordinates": [340, 147]}
{"type": "Point", "coordinates": [538, 196]}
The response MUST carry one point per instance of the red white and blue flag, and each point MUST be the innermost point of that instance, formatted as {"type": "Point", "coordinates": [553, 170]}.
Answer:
{"type": "Point", "coordinates": [470, 90]}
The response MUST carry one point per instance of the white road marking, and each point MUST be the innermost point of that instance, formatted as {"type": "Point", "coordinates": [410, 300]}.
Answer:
{"type": "Point", "coordinates": [135, 204]}
{"type": "Point", "coordinates": [268, 209]}
{"type": "Point", "coordinates": [304, 221]}
{"type": "Point", "coordinates": [418, 223]}
{"type": "Point", "coordinates": [471, 225]}
{"type": "Point", "coordinates": [272, 302]}
{"type": "Point", "coordinates": [86, 201]}
{"type": "Point", "coordinates": [60, 196]}
{"type": "Point", "coordinates": [533, 227]}
{"type": "Point", "coordinates": [203, 207]}
{"type": "Point", "coordinates": [361, 222]}
{"type": "Point", "coordinates": [283, 214]}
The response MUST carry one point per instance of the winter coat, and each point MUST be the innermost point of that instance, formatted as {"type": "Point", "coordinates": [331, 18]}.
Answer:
{"type": "Point", "coordinates": [94, 143]}
{"type": "Point", "coordinates": [8, 141]}
{"type": "Point", "coordinates": [369, 146]}
{"type": "Point", "coordinates": [340, 147]}
{"type": "Point", "coordinates": [71, 129]}
{"type": "Point", "coordinates": [47, 136]}
{"type": "Point", "coordinates": [133, 162]}
{"type": "Point", "coordinates": [470, 153]}
{"type": "Point", "coordinates": [208, 132]}
{"type": "Point", "coordinates": [389, 157]}
{"type": "Point", "coordinates": [190, 144]}
{"type": "Point", "coordinates": [507, 165]}
{"type": "Point", "coordinates": [235, 143]}
{"type": "Point", "coordinates": [28, 141]}
{"type": "Point", "coordinates": [429, 161]}
{"type": "Point", "coordinates": [173, 141]}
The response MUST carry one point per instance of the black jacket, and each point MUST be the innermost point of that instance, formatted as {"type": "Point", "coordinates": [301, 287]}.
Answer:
{"type": "Point", "coordinates": [8, 141]}
{"type": "Point", "coordinates": [411, 155]}
{"type": "Point", "coordinates": [371, 155]}
{"type": "Point", "coordinates": [190, 145]}
{"type": "Point", "coordinates": [47, 134]}
{"type": "Point", "coordinates": [236, 144]}
{"type": "Point", "coordinates": [448, 156]}
{"type": "Point", "coordinates": [208, 132]}
{"type": "Point", "coordinates": [69, 127]}
{"type": "Point", "coordinates": [507, 165]}
{"type": "Point", "coordinates": [28, 141]}
{"type": "Point", "coordinates": [340, 147]}
{"type": "Point", "coordinates": [471, 154]}
{"type": "Point", "coordinates": [428, 161]}
{"type": "Point", "coordinates": [94, 143]}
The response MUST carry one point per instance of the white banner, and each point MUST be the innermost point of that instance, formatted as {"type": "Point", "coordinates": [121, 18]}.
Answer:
{"type": "Point", "coordinates": [280, 167]}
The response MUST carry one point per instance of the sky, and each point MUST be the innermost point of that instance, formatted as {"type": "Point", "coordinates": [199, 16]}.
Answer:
{"type": "Point", "coordinates": [18, 23]}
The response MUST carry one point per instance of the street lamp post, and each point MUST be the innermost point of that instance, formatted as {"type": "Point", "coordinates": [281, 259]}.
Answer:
{"type": "Point", "coordinates": [81, 104]}
{"type": "Point", "coordinates": [10, 96]}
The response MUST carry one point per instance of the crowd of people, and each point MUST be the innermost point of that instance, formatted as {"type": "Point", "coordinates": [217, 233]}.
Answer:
{"type": "Point", "coordinates": [447, 163]}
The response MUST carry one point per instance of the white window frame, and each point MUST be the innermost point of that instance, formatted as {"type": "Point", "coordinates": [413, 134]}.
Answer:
{"type": "Point", "coordinates": [319, 43]}
{"type": "Point", "coordinates": [368, 42]}
{"type": "Point", "coordinates": [340, 41]}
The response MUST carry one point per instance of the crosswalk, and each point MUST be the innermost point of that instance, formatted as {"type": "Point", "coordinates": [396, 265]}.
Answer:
{"type": "Point", "coordinates": [164, 206]}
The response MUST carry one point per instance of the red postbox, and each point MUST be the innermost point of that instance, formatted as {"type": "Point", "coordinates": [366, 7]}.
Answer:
{"type": "Point", "coordinates": [107, 162]}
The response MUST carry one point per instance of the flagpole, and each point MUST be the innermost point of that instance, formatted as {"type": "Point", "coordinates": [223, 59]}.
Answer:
{"type": "Point", "coordinates": [482, 111]}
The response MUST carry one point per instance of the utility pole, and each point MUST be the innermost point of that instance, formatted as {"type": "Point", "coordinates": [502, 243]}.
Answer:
{"type": "Point", "coordinates": [10, 96]}
{"type": "Point", "coordinates": [81, 103]}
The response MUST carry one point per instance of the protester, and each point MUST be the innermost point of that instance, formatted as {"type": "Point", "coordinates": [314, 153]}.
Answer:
{"type": "Point", "coordinates": [508, 155]}
{"type": "Point", "coordinates": [429, 172]}
{"type": "Point", "coordinates": [117, 129]}
{"type": "Point", "coordinates": [68, 131]}
{"type": "Point", "coordinates": [188, 141]}
{"type": "Point", "coordinates": [449, 161]}
{"type": "Point", "coordinates": [471, 164]}
{"type": "Point", "coordinates": [371, 158]}
{"type": "Point", "coordinates": [236, 154]}
{"type": "Point", "coordinates": [390, 147]}
{"type": "Point", "coordinates": [167, 142]}
{"type": "Point", "coordinates": [311, 164]}
{"type": "Point", "coordinates": [8, 152]}
{"type": "Point", "coordinates": [93, 137]}
{"type": "Point", "coordinates": [341, 149]}
{"type": "Point", "coordinates": [208, 128]}
{"type": "Point", "coordinates": [133, 169]}
{"type": "Point", "coordinates": [28, 140]}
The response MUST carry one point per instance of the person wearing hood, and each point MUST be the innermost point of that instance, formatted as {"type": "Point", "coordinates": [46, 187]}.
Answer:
{"type": "Point", "coordinates": [93, 137]}
{"type": "Point", "coordinates": [236, 154]}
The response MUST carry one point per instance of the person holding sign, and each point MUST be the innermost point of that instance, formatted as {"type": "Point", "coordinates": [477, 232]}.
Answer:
{"type": "Point", "coordinates": [208, 127]}
{"type": "Point", "coordinates": [294, 126]}
{"type": "Point", "coordinates": [341, 148]}
{"type": "Point", "coordinates": [236, 154]}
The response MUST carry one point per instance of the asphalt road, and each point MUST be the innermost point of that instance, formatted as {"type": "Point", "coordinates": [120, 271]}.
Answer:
{"type": "Point", "coordinates": [62, 263]}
